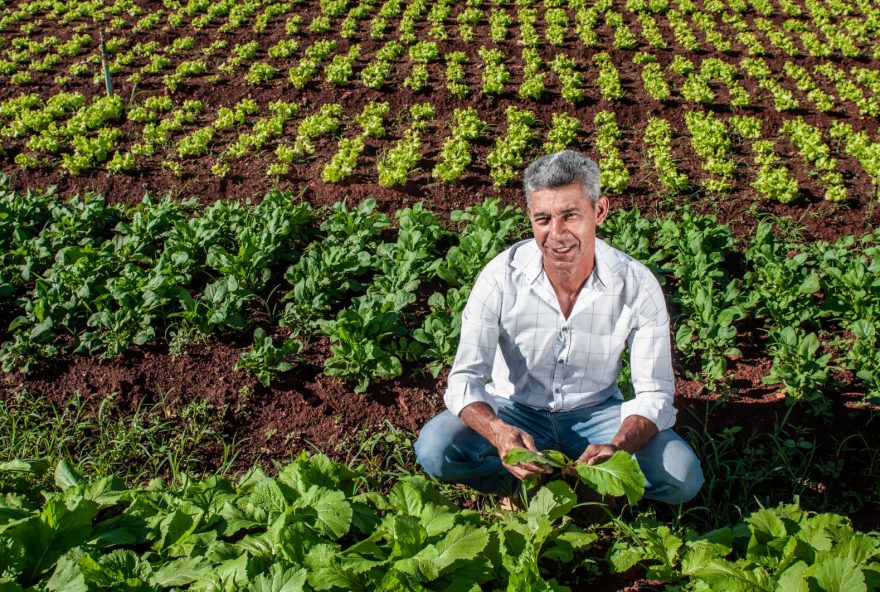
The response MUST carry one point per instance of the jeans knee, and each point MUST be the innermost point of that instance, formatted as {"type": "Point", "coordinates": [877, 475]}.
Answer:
{"type": "Point", "coordinates": [692, 483]}
{"type": "Point", "coordinates": [430, 448]}
{"type": "Point", "coordinates": [427, 458]}
{"type": "Point", "coordinates": [687, 488]}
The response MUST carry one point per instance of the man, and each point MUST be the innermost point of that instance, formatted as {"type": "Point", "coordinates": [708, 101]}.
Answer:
{"type": "Point", "coordinates": [547, 322]}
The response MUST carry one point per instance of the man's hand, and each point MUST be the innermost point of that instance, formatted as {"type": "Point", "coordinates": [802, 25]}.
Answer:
{"type": "Point", "coordinates": [597, 453]}
{"type": "Point", "coordinates": [505, 437]}
{"type": "Point", "coordinates": [634, 432]}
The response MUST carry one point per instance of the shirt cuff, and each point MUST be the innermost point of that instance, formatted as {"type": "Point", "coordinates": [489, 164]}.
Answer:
{"type": "Point", "coordinates": [657, 408]}
{"type": "Point", "coordinates": [459, 397]}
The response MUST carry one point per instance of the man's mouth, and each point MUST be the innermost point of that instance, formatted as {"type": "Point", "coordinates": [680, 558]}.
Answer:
{"type": "Point", "coordinates": [561, 250]}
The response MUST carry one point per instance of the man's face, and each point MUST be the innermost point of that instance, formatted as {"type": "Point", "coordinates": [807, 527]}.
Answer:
{"type": "Point", "coordinates": [564, 223]}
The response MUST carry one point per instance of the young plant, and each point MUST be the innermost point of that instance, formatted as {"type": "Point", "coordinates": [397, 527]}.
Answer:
{"type": "Point", "coordinates": [264, 360]}
{"type": "Point", "coordinates": [618, 476]}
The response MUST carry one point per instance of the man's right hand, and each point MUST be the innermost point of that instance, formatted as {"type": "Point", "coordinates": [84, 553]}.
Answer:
{"type": "Point", "coordinates": [505, 437]}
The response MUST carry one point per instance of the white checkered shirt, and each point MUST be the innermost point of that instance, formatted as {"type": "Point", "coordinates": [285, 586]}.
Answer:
{"type": "Point", "coordinates": [514, 333]}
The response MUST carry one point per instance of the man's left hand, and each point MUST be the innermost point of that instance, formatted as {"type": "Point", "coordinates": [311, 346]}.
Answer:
{"type": "Point", "coordinates": [597, 453]}
{"type": "Point", "coordinates": [634, 432]}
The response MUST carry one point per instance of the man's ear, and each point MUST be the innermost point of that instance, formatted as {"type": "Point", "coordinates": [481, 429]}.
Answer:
{"type": "Point", "coordinates": [602, 207]}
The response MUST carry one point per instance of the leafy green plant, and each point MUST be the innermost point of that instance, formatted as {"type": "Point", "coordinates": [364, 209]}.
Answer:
{"type": "Point", "coordinates": [264, 360]}
{"type": "Point", "coordinates": [363, 343]}
{"type": "Point", "coordinates": [394, 168]}
{"type": "Point", "coordinates": [798, 366]}
{"type": "Point", "coordinates": [618, 476]}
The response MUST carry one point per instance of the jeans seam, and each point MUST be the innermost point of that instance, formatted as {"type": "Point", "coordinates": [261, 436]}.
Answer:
{"type": "Point", "coordinates": [555, 431]}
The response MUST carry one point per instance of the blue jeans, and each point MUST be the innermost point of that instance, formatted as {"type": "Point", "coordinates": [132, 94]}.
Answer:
{"type": "Point", "coordinates": [451, 451]}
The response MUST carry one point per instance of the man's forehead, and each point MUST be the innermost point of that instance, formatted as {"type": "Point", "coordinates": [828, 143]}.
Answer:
{"type": "Point", "coordinates": [551, 200]}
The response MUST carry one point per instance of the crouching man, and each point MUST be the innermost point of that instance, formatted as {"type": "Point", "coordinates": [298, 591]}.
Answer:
{"type": "Point", "coordinates": [541, 342]}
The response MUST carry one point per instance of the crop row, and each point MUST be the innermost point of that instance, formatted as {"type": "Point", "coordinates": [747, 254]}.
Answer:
{"type": "Point", "coordinates": [82, 136]}
{"type": "Point", "coordinates": [320, 525]}
{"type": "Point", "coordinates": [396, 48]}
{"type": "Point", "coordinates": [100, 279]}
{"type": "Point", "coordinates": [848, 28]}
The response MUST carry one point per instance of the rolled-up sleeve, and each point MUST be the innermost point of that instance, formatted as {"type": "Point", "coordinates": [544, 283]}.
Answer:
{"type": "Point", "coordinates": [480, 329]}
{"type": "Point", "coordinates": [651, 360]}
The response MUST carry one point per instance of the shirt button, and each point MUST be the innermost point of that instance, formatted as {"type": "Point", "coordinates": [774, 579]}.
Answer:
{"type": "Point", "coordinates": [561, 361]}
{"type": "Point", "coordinates": [558, 390]}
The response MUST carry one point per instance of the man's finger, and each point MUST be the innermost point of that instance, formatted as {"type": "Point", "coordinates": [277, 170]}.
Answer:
{"type": "Point", "coordinates": [599, 458]}
{"type": "Point", "coordinates": [529, 442]}
{"type": "Point", "coordinates": [523, 470]}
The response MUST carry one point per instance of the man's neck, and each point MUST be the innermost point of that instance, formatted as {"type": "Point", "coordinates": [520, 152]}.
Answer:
{"type": "Point", "coordinates": [568, 284]}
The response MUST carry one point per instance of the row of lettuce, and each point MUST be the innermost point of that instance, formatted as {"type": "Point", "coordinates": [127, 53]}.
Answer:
{"type": "Point", "coordinates": [79, 274]}
{"type": "Point", "coordinates": [320, 525]}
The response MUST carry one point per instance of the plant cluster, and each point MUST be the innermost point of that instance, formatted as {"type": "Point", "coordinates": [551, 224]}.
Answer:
{"type": "Point", "coordinates": [658, 137]}
{"type": "Point", "coordinates": [609, 78]}
{"type": "Point", "coordinates": [456, 82]}
{"type": "Point", "coordinates": [455, 156]}
{"type": "Point", "coordinates": [494, 74]}
{"type": "Point", "coordinates": [614, 174]}
{"type": "Point", "coordinates": [396, 165]}
{"type": "Point", "coordinates": [710, 139]}
{"type": "Point", "coordinates": [773, 179]}
{"type": "Point", "coordinates": [652, 76]}
{"type": "Point", "coordinates": [813, 149]}
{"type": "Point", "coordinates": [783, 98]}
{"type": "Point", "coordinates": [317, 525]}
{"type": "Point", "coordinates": [571, 80]}
{"type": "Point", "coordinates": [509, 152]}
{"type": "Point", "coordinates": [484, 231]}
{"type": "Point", "coordinates": [563, 131]}
{"type": "Point", "coordinates": [532, 86]}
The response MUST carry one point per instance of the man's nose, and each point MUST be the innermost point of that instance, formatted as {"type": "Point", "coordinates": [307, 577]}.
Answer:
{"type": "Point", "coordinates": [557, 227]}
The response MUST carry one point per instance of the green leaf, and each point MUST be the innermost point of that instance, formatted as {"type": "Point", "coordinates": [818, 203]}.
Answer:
{"type": "Point", "coordinates": [57, 529]}
{"type": "Point", "coordinates": [280, 579]}
{"type": "Point", "coordinates": [619, 475]}
{"type": "Point", "coordinates": [120, 530]}
{"type": "Point", "coordinates": [229, 575]}
{"type": "Point", "coordinates": [460, 544]}
{"type": "Point", "coordinates": [181, 572]}
{"type": "Point", "coordinates": [838, 574]}
{"type": "Point", "coordinates": [325, 572]}
{"type": "Point", "coordinates": [65, 476]}
{"type": "Point", "coordinates": [622, 556]}
{"type": "Point", "coordinates": [33, 467]}
{"type": "Point", "coordinates": [268, 497]}
{"type": "Point", "coordinates": [522, 455]}
{"type": "Point", "coordinates": [793, 579]}
{"type": "Point", "coordinates": [68, 577]}
{"type": "Point", "coordinates": [728, 577]}
{"type": "Point", "coordinates": [331, 511]}
{"type": "Point", "coordinates": [554, 500]}
{"type": "Point", "coordinates": [417, 497]}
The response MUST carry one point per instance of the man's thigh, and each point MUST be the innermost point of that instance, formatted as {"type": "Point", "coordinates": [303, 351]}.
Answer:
{"type": "Point", "coordinates": [579, 428]}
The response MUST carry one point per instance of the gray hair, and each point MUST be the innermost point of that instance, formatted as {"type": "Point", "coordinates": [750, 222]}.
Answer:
{"type": "Point", "coordinates": [560, 169]}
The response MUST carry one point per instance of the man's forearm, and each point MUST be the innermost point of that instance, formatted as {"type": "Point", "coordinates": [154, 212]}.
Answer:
{"type": "Point", "coordinates": [481, 418]}
{"type": "Point", "coordinates": [634, 432]}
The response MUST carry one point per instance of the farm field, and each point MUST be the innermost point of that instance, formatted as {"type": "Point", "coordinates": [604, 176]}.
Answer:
{"type": "Point", "coordinates": [235, 239]}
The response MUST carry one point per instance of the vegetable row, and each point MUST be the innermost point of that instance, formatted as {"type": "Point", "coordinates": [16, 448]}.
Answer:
{"type": "Point", "coordinates": [96, 279]}
{"type": "Point", "coordinates": [320, 525]}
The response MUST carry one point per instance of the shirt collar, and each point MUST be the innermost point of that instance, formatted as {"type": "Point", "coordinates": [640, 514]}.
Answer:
{"type": "Point", "coordinates": [529, 261]}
